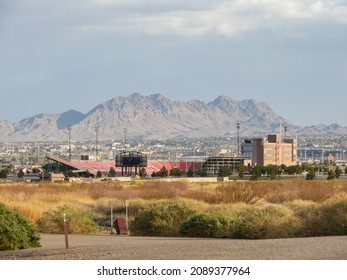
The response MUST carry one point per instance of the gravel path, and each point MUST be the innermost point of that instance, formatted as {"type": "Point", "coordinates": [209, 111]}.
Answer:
{"type": "Point", "coordinates": [112, 247]}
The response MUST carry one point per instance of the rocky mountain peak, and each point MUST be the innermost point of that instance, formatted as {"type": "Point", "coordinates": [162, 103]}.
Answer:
{"type": "Point", "coordinates": [156, 116]}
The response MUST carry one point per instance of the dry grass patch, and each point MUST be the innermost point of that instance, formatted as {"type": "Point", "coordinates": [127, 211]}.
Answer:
{"type": "Point", "coordinates": [273, 208]}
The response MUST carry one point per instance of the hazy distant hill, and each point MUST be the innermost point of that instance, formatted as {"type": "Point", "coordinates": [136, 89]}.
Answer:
{"type": "Point", "coordinates": [158, 117]}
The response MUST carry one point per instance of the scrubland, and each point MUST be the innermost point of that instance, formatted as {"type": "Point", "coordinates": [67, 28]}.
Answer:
{"type": "Point", "coordinates": [260, 209]}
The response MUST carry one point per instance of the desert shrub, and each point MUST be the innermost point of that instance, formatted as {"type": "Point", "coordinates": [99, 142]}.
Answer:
{"type": "Point", "coordinates": [334, 215]}
{"type": "Point", "coordinates": [16, 232]}
{"type": "Point", "coordinates": [78, 221]}
{"type": "Point", "coordinates": [205, 225]}
{"type": "Point", "coordinates": [161, 219]}
{"type": "Point", "coordinates": [279, 221]}
{"type": "Point", "coordinates": [328, 218]}
{"type": "Point", "coordinates": [308, 214]}
{"type": "Point", "coordinates": [268, 221]}
{"type": "Point", "coordinates": [242, 221]}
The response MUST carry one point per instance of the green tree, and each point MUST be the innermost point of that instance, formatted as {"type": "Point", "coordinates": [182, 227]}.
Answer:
{"type": "Point", "coordinates": [4, 172]}
{"type": "Point", "coordinates": [163, 172]}
{"type": "Point", "coordinates": [176, 172]}
{"type": "Point", "coordinates": [143, 172]}
{"type": "Point", "coordinates": [331, 175]}
{"type": "Point", "coordinates": [256, 172]}
{"type": "Point", "coordinates": [311, 174]}
{"type": "Point", "coordinates": [224, 171]}
{"type": "Point", "coordinates": [98, 174]}
{"type": "Point", "coordinates": [272, 171]}
{"type": "Point", "coordinates": [20, 173]}
{"type": "Point", "coordinates": [241, 169]}
{"type": "Point", "coordinates": [294, 169]}
{"type": "Point", "coordinates": [338, 172]}
{"type": "Point", "coordinates": [112, 172]}
{"type": "Point", "coordinates": [190, 173]}
{"type": "Point", "coordinates": [202, 172]}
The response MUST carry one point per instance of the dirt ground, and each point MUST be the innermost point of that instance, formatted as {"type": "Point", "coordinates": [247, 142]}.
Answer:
{"type": "Point", "coordinates": [113, 247]}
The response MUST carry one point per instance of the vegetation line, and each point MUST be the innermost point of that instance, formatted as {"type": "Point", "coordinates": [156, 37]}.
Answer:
{"type": "Point", "coordinates": [245, 209]}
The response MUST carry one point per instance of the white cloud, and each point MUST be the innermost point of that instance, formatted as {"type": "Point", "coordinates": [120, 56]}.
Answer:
{"type": "Point", "coordinates": [200, 17]}
{"type": "Point", "coordinates": [227, 18]}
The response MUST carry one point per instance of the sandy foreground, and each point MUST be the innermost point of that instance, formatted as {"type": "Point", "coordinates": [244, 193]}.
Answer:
{"type": "Point", "coordinates": [113, 247]}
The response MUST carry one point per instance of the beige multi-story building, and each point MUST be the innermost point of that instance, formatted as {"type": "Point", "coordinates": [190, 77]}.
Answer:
{"type": "Point", "coordinates": [273, 151]}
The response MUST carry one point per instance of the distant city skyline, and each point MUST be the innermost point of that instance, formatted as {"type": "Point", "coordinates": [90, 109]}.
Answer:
{"type": "Point", "coordinates": [62, 55]}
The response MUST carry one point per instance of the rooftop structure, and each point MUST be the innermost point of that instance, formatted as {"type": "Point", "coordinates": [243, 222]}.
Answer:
{"type": "Point", "coordinates": [129, 160]}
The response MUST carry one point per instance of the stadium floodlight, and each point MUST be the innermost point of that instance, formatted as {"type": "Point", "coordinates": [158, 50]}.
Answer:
{"type": "Point", "coordinates": [238, 139]}
{"type": "Point", "coordinates": [97, 128]}
{"type": "Point", "coordinates": [69, 128]}
{"type": "Point", "coordinates": [125, 131]}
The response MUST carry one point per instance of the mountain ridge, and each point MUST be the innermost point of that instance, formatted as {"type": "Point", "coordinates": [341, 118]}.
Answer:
{"type": "Point", "coordinates": [157, 117]}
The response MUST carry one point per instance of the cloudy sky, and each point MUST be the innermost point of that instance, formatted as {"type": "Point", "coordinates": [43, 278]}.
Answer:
{"type": "Point", "coordinates": [76, 54]}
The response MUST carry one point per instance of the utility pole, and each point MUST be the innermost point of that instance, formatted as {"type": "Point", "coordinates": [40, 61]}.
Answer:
{"type": "Point", "coordinates": [285, 132]}
{"type": "Point", "coordinates": [125, 131]}
{"type": "Point", "coordinates": [69, 128]}
{"type": "Point", "coordinates": [97, 127]}
{"type": "Point", "coordinates": [238, 139]}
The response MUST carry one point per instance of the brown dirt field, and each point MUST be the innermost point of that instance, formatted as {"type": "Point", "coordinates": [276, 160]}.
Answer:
{"type": "Point", "coordinates": [113, 247]}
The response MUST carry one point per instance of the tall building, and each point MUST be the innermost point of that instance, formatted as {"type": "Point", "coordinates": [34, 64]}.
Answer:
{"type": "Point", "coordinates": [273, 151]}
{"type": "Point", "coordinates": [247, 148]}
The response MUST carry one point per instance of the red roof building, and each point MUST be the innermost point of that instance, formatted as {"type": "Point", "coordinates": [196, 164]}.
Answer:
{"type": "Point", "coordinates": [104, 167]}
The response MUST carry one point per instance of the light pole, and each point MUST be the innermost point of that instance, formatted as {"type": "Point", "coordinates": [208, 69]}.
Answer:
{"type": "Point", "coordinates": [238, 139]}
{"type": "Point", "coordinates": [97, 128]}
{"type": "Point", "coordinates": [285, 132]}
{"type": "Point", "coordinates": [69, 128]}
{"type": "Point", "coordinates": [125, 131]}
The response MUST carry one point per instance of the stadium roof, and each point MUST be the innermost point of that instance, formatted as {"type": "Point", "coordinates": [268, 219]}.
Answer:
{"type": "Point", "coordinates": [104, 167]}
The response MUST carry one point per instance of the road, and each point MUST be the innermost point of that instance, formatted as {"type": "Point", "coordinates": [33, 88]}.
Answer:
{"type": "Point", "coordinates": [113, 247]}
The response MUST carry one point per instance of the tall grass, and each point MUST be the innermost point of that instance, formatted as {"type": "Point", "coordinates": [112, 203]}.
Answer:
{"type": "Point", "coordinates": [237, 209]}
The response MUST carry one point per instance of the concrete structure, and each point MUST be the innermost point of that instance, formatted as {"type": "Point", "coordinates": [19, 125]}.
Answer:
{"type": "Point", "coordinates": [57, 177]}
{"type": "Point", "coordinates": [273, 151]}
{"type": "Point", "coordinates": [213, 164]}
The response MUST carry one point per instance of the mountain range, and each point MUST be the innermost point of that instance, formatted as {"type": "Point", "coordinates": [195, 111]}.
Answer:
{"type": "Point", "coordinates": [157, 117]}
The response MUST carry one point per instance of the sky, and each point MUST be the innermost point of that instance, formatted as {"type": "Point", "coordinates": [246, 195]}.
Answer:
{"type": "Point", "coordinates": [75, 54]}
